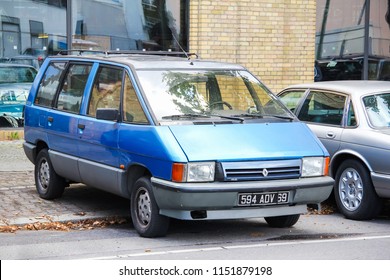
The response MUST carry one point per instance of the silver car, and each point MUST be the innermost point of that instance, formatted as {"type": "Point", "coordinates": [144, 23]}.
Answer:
{"type": "Point", "coordinates": [352, 120]}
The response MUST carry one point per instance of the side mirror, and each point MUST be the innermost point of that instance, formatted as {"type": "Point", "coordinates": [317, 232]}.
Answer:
{"type": "Point", "coordinates": [108, 114]}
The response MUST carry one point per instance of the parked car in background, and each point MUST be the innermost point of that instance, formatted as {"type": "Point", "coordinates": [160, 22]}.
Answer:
{"type": "Point", "coordinates": [180, 137]}
{"type": "Point", "coordinates": [15, 84]}
{"type": "Point", "coordinates": [338, 69]}
{"type": "Point", "coordinates": [34, 61]}
{"type": "Point", "coordinates": [41, 53]}
{"type": "Point", "coordinates": [352, 119]}
{"type": "Point", "coordinates": [351, 68]}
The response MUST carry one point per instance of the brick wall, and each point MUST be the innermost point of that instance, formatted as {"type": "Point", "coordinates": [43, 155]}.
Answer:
{"type": "Point", "coordinates": [274, 39]}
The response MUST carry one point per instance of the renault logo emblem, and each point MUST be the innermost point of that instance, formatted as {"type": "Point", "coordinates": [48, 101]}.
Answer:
{"type": "Point", "coordinates": [265, 172]}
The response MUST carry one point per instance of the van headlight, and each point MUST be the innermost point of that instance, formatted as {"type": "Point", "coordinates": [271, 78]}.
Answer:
{"type": "Point", "coordinates": [315, 166]}
{"type": "Point", "coordinates": [193, 172]}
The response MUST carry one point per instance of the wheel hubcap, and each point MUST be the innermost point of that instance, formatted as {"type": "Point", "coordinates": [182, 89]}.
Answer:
{"type": "Point", "coordinates": [44, 175]}
{"type": "Point", "coordinates": [351, 189]}
{"type": "Point", "coordinates": [143, 206]}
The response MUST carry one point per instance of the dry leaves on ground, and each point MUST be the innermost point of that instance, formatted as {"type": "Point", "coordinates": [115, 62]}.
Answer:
{"type": "Point", "coordinates": [325, 209]}
{"type": "Point", "coordinates": [67, 226]}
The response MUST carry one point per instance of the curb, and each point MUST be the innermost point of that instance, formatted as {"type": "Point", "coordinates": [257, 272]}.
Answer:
{"type": "Point", "coordinates": [63, 218]}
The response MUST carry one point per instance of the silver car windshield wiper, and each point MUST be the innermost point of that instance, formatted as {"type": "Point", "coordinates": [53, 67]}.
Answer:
{"type": "Point", "coordinates": [185, 116]}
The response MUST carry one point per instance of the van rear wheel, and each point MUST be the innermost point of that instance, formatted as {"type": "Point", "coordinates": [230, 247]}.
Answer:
{"type": "Point", "coordinates": [145, 212]}
{"type": "Point", "coordinates": [282, 221]}
{"type": "Point", "coordinates": [48, 183]}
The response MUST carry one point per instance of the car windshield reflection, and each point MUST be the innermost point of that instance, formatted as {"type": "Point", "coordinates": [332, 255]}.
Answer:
{"type": "Point", "coordinates": [212, 93]}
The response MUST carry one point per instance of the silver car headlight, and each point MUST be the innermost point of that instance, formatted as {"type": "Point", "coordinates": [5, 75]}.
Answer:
{"type": "Point", "coordinates": [315, 166]}
{"type": "Point", "coordinates": [193, 172]}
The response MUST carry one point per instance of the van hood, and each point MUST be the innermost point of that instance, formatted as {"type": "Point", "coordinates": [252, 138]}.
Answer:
{"type": "Point", "coordinates": [260, 141]}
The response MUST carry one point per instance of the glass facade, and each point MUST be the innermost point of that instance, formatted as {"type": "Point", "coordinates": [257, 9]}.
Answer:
{"type": "Point", "coordinates": [44, 27]}
{"type": "Point", "coordinates": [352, 36]}
{"type": "Point", "coordinates": [31, 27]}
{"type": "Point", "coordinates": [130, 25]}
{"type": "Point", "coordinates": [30, 30]}
{"type": "Point", "coordinates": [350, 45]}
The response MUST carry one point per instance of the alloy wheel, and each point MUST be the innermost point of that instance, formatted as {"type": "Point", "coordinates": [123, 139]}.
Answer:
{"type": "Point", "coordinates": [351, 189]}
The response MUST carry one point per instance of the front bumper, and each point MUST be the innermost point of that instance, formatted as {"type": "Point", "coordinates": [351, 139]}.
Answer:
{"type": "Point", "coordinates": [219, 200]}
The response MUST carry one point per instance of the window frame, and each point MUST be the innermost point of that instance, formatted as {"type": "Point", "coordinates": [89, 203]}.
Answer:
{"type": "Point", "coordinates": [60, 86]}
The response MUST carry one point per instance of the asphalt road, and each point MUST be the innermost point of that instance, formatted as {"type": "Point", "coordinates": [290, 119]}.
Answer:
{"type": "Point", "coordinates": [314, 237]}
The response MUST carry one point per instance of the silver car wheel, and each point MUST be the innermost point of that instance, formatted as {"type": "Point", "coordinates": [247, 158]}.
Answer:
{"type": "Point", "coordinates": [143, 205]}
{"type": "Point", "coordinates": [351, 189]}
{"type": "Point", "coordinates": [44, 175]}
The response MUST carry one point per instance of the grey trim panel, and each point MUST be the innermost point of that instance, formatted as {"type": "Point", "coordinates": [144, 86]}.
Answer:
{"type": "Point", "coordinates": [239, 213]}
{"type": "Point", "coordinates": [224, 196]}
{"type": "Point", "coordinates": [104, 177]}
{"type": "Point", "coordinates": [270, 185]}
{"type": "Point", "coordinates": [30, 151]}
{"type": "Point", "coordinates": [65, 165]}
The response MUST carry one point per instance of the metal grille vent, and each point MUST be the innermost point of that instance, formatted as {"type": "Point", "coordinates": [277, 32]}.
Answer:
{"type": "Point", "coordinates": [265, 170]}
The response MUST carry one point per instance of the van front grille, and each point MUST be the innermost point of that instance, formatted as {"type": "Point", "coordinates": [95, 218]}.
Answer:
{"type": "Point", "coordinates": [260, 170]}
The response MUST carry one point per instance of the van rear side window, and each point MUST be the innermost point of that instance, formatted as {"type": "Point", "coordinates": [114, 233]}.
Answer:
{"type": "Point", "coordinates": [49, 84]}
{"type": "Point", "coordinates": [72, 88]}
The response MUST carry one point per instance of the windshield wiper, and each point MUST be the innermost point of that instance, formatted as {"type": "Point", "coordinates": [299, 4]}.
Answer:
{"type": "Point", "coordinates": [185, 116]}
{"type": "Point", "coordinates": [195, 116]}
{"type": "Point", "coordinates": [248, 115]}
{"type": "Point", "coordinates": [260, 116]}
{"type": "Point", "coordinates": [280, 117]}
{"type": "Point", "coordinates": [234, 118]}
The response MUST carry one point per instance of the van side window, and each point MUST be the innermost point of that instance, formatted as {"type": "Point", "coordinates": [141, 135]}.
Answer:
{"type": "Point", "coordinates": [132, 110]}
{"type": "Point", "coordinates": [106, 89]}
{"type": "Point", "coordinates": [72, 88]}
{"type": "Point", "coordinates": [49, 83]}
{"type": "Point", "coordinates": [323, 108]}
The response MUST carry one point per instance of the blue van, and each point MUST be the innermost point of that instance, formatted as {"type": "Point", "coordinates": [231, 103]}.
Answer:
{"type": "Point", "coordinates": [180, 137]}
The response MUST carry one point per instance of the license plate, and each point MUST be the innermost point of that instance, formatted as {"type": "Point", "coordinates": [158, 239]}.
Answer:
{"type": "Point", "coordinates": [259, 199]}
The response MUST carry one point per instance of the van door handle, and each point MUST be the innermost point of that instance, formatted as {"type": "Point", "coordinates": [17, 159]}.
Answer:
{"type": "Point", "coordinates": [50, 119]}
{"type": "Point", "coordinates": [330, 134]}
{"type": "Point", "coordinates": [81, 126]}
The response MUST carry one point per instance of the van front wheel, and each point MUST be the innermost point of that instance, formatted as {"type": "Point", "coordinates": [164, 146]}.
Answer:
{"type": "Point", "coordinates": [145, 212]}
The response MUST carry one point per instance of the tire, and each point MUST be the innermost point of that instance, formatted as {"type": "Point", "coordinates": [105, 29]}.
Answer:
{"type": "Point", "coordinates": [145, 212]}
{"type": "Point", "coordinates": [48, 183]}
{"type": "Point", "coordinates": [282, 221]}
{"type": "Point", "coordinates": [354, 192]}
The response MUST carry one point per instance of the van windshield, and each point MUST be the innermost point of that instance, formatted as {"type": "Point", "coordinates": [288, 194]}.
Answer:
{"type": "Point", "coordinates": [202, 93]}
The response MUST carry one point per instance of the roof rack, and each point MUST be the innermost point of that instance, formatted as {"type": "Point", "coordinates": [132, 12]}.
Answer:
{"type": "Point", "coordinates": [140, 52]}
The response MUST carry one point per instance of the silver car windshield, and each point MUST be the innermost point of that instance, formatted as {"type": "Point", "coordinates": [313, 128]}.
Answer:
{"type": "Point", "coordinates": [207, 93]}
{"type": "Point", "coordinates": [378, 109]}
